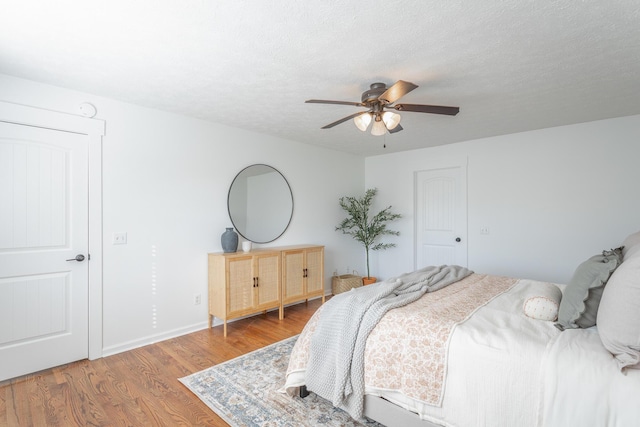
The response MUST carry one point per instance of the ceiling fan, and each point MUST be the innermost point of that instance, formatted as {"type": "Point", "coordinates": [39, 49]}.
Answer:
{"type": "Point", "coordinates": [380, 98]}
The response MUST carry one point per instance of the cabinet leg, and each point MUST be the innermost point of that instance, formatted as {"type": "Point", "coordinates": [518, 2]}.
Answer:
{"type": "Point", "coordinates": [210, 321]}
{"type": "Point", "coordinates": [281, 312]}
{"type": "Point", "coordinates": [323, 297]}
{"type": "Point", "coordinates": [224, 328]}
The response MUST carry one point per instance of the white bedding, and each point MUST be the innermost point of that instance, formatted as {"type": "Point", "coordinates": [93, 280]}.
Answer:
{"type": "Point", "coordinates": [583, 384]}
{"type": "Point", "coordinates": [494, 373]}
{"type": "Point", "coordinates": [506, 369]}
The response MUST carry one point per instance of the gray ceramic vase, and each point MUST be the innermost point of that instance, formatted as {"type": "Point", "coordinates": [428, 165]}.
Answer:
{"type": "Point", "coordinates": [229, 241]}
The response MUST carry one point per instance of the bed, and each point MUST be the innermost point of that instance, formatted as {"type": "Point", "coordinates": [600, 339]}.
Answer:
{"type": "Point", "coordinates": [508, 352]}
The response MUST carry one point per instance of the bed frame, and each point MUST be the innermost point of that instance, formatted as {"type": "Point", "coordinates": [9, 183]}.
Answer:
{"type": "Point", "coordinates": [392, 415]}
{"type": "Point", "coordinates": [385, 412]}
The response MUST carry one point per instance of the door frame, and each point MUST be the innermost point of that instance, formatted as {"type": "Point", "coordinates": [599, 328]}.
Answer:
{"type": "Point", "coordinates": [94, 129]}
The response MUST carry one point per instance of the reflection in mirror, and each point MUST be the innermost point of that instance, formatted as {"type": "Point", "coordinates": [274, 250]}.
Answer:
{"type": "Point", "coordinates": [260, 203]}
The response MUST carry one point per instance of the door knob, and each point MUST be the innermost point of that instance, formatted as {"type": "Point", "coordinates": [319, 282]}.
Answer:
{"type": "Point", "coordinates": [458, 239]}
{"type": "Point", "coordinates": [78, 258]}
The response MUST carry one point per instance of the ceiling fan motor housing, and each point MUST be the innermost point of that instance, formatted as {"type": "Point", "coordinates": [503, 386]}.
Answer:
{"type": "Point", "coordinates": [373, 93]}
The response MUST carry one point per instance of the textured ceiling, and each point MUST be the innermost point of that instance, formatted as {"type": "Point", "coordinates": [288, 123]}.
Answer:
{"type": "Point", "coordinates": [509, 65]}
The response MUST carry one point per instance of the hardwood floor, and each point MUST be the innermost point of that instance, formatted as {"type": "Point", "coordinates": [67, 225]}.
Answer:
{"type": "Point", "coordinates": [140, 387]}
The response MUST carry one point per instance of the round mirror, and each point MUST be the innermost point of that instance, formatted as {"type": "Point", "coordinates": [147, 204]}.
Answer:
{"type": "Point", "coordinates": [260, 203]}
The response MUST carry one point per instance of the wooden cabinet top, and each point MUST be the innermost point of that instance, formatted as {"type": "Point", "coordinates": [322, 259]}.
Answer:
{"type": "Point", "coordinates": [259, 251]}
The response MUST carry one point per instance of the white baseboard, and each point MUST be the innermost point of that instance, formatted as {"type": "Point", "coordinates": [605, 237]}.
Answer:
{"type": "Point", "coordinates": [152, 339]}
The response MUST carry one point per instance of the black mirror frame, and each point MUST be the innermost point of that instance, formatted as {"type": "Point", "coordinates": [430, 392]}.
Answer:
{"type": "Point", "coordinates": [229, 210]}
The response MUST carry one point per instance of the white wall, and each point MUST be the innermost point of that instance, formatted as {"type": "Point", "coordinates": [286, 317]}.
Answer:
{"type": "Point", "coordinates": [165, 183]}
{"type": "Point", "coordinates": [551, 198]}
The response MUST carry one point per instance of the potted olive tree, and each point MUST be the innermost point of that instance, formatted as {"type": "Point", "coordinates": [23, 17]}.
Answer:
{"type": "Point", "coordinates": [365, 228]}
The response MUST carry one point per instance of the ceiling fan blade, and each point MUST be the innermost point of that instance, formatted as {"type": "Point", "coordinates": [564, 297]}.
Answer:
{"type": "Point", "coordinates": [434, 109]}
{"type": "Point", "coordinates": [322, 101]}
{"type": "Point", "coordinates": [344, 119]}
{"type": "Point", "coordinates": [398, 128]}
{"type": "Point", "coordinates": [397, 91]}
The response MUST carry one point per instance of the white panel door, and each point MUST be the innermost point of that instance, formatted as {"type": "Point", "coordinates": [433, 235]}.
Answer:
{"type": "Point", "coordinates": [441, 217]}
{"type": "Point", "coordinates": [43, 227]}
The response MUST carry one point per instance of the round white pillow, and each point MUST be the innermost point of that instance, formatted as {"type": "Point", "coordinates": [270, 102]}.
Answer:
{"type": "Point", "coordinates": [544, 302]}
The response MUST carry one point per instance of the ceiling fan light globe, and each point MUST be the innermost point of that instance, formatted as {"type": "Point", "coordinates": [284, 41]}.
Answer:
{"type": "Point", "coordinates": [378, 128]}
{"type": "Point", "coordinates": [391, 120]}
{"type": "Point", "coordinates": [362, 121]}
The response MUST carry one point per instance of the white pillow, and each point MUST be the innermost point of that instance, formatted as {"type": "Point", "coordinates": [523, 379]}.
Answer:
{"type": "Point", "coordinates": [631, 245]}
{"type": "Point", "coordinates": [619, 313]}
{"type": "Point", "coordinates": [543, 303]}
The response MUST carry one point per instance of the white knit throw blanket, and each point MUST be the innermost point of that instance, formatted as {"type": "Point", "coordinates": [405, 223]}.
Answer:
{"type": "Point", "coordinates": [335, 370]}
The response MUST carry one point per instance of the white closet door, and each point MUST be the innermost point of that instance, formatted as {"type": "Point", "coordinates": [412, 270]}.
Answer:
{"type": "Point", "coordinates": [43, 228]}
{"type": "Point", "coordinates": [441, 217]}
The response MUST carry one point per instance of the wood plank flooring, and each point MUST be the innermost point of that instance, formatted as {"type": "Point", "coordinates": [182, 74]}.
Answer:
{"type": "Point", "coordinates": [140, 387]}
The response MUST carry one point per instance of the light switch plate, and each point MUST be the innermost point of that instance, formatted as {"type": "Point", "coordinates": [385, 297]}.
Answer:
{"type": "Point", "coordinates": [119, 238]}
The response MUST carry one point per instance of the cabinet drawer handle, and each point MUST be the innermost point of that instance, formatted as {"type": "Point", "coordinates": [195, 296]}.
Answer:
{"type": "Point", "coordinates": [254, 282]}
{"type": "Point", "coordinates": [257, 282]}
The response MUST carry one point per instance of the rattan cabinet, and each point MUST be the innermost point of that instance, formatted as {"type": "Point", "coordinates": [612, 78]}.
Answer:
{"type": "Point", "coordinates": [242, 284]}
{"type": "Point", "coordinates": [302, 274]}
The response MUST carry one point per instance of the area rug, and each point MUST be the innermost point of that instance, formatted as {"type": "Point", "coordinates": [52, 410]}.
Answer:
{"type": "Point", "coordinates": [245, 392]}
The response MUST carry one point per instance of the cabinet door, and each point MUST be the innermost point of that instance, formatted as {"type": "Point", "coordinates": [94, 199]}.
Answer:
{"type": "Point", "coordinates": [293, 275]}
{"type": "Point", "coordinates": [315, 273]}
{"type": "Point", "coordinates": [267, 270]}
{"type": "Point", "coordinates": [239, 286]}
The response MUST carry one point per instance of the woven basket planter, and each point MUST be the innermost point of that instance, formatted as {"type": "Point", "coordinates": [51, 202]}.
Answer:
{"type": "Point", "coordinates": [345, 282]}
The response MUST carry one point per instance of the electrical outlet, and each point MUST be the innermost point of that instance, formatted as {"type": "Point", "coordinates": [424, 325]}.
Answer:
{"type": "Point", "coordinates": [484, 230]}
{"type": "Point", "coordinates": [119, 238]}
{"type": "Point", "coordinates": [197, 299]}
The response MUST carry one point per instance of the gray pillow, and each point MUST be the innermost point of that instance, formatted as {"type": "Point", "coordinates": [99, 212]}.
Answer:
{"type": "Point", "coordinates": [581, 298]}
{"type": "Point", "coordinates": [619, 314]}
